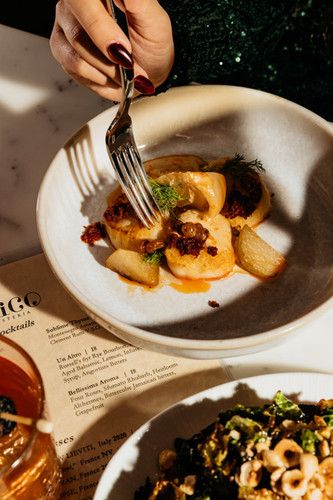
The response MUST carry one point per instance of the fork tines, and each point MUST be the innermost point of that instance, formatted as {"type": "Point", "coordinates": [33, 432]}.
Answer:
{"type": "Point", "coordinates": [133, 180]}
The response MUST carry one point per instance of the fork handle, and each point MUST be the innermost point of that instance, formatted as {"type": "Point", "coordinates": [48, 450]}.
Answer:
{"type": "Point", "coordinates": [127, 75]}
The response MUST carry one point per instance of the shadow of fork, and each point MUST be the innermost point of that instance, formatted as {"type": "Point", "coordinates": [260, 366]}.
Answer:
{"type": "Point", "coordinates": [92, 181]}
{"type": "Point", "coordinates": [82, 162]}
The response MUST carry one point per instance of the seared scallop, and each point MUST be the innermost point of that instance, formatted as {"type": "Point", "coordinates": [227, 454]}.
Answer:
{"type": "Point", "coordinates": [173, 163]}
{"type": "Point", "coordinates": [123, 226]}
{"type": "Point", "coordinates": [216, 257]}
{"type": "Point", "coordinates": [204, 191]}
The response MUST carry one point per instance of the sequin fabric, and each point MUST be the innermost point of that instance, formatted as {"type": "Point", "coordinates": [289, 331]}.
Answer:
{"type": "Point", "coordinates": [283, 47]}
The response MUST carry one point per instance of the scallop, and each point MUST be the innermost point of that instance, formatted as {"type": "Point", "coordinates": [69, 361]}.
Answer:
{"type": "Point", "coordinates": [205, 266]}
{"type": "Point", "coordinates": [203, 191]}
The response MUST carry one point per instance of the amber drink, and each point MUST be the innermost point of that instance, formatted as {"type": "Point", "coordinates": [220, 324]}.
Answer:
{"type": "Point", "coordinates": [29, 468]}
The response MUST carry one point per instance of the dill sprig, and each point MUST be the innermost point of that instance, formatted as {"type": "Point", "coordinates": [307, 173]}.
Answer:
{"type": "Point", "coordinates": [166, 196]}
{"type": "Point", "coordinates": [154, 257]}
{"type": "Point", "coordinates": [237, 166]}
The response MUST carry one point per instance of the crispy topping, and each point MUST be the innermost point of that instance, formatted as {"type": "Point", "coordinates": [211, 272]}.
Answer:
{"type": "Point", "coordinates": [189, 238]}
{"type": "Point", "coordinates": [213, 303]}
{"type": "Point", "coordinates": [150, 246]}
{"type": "Point", "coordinates": [212, 251]}
{"type": "Point", "coordinates": [93, 233]}
{"type": "Point", "coordinates": [122, 208]}
{"type": "Point", "coordinates": [244, 196]}
{"type": "Point", "coordinates": [185, 246]}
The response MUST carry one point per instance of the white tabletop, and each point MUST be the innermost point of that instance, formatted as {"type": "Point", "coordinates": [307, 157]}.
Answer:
{"type": "Point", "coordinates": [40, 109]}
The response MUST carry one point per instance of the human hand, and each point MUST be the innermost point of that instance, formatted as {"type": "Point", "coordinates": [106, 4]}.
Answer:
{"type": "Point", "coordinates": [89, 44]}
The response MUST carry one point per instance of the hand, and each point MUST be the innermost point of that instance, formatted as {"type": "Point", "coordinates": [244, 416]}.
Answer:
{"type": "Point", "coordinates": [89, 44]}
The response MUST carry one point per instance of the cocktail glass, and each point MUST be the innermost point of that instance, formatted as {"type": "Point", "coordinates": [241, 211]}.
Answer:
{"type": "Point", "coordinates": [29, 467]}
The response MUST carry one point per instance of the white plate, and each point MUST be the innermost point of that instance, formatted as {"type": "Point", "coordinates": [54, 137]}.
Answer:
{"type": "Point", "coordinates": [137, 457]}
{"type": "Point", "coordinates": [296, 148]}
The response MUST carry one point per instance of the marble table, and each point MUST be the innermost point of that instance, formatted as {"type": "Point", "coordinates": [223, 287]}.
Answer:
{"type": "Point", "coordinates": [40, 108]}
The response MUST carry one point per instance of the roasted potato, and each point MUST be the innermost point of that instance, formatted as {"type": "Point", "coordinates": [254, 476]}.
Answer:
{"type": "Point", "coordinates": [256, 256]}
{"type": "Point", "coordinates": [131, 265]}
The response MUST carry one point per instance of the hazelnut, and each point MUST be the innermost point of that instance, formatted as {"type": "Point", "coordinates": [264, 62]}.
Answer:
{"type": "Point", "coordinates": [293, 483]}
{"type": "Point", "coordinates": [289, 452]}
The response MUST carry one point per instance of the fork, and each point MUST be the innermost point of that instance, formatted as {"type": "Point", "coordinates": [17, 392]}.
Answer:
{"type": "Point", "coordinates": [124, 154]}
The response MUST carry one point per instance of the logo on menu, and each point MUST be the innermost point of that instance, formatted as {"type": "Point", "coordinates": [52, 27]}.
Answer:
{"type": "Point", "coordinates": [17, 306]}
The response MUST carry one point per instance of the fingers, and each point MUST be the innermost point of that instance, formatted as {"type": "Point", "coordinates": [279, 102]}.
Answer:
{"type": "Point", "coordinates": [81, 42]}
{"type": "Point", "coordinates": [103, 30]}
{"type": "Point", "coordinates": [80, 70]}
{"type": "Point", "coordinates": [90, 45]}
{"type": "Point", "coordinates": [150, 33]}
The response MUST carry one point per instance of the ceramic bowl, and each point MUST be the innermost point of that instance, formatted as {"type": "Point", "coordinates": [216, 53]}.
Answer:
{"type": "Point", "coordinates": [137, 458]}
{"type": "Point", "coordinates": [296, 149]}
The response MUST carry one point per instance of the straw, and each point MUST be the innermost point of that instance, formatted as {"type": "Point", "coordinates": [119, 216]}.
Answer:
{"type": "Point", "coordinates": [41, 424]}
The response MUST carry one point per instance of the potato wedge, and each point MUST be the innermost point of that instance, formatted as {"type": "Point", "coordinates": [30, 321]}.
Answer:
{"type": "Point", "coordinates": [132, 266]}
{"type": "Point", "coordinates": [173, 163]}
{"type": "Point", "coordinates": [256, 256]}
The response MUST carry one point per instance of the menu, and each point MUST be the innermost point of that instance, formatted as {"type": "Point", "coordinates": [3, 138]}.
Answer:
{"type": "Point", "coordinates": [99, 389]}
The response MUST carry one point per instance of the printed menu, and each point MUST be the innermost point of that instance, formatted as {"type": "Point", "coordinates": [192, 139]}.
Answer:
{"type": "Point", "coordinates": [99, 389]}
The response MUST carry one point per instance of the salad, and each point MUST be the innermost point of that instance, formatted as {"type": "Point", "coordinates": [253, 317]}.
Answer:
{"type": "Point", "coordinates": [277, 451]}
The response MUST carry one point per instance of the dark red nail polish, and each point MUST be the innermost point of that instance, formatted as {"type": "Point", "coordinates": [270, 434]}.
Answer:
{"type": "Point", "coordinates": [143, 85]}
{"type": "Point", "coordinates": [120, 55]}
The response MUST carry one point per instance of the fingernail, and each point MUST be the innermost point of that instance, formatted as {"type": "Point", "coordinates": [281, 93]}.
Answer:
{"type": "Point", "coordinates": [120, 55]}
{"type": "Point", "coordinates": [143, 85]}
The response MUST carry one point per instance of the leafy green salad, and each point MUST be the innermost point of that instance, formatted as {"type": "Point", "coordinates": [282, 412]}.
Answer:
{"type": "Point", "coordinates": [280, 450]}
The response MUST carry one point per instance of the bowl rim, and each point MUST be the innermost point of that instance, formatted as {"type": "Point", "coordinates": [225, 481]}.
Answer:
{"type": "Point", "coordinates": [147, 336]}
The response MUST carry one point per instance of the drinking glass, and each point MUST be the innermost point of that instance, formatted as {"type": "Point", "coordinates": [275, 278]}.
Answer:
{"type": "Point", "coordinates": [29, 467]}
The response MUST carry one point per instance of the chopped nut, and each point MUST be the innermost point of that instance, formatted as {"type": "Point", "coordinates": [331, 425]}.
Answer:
{"type": "Point", "coordinates": [262, 446]}
{"type": "Point", "coordinates": [326, 432]}
{"type": "Point", "coordinates": [308, 465]}
{"type": "Point", "coordinates": [250, 473]}
{"type": "Point", "coordinates": [188, 486]}
{"type": "Point", "coordinates": [313, 495]}
{"type": "Point", "coordinates": [324, 449]}
{"type": "Point", "coordinates": [234, 434]}
{"type": "Point", "coordinates": [326, 467]}
{"type": "Point", "coordinates": [166, 459]}
{"type": "Point", "coordinates": [289, 424]}
{"type": "Point", "coordinates": [276, 479]}
{"type": "Point", "coordinates": [319, 421]}
{"type": "Point", "coordinates": [317, 482]}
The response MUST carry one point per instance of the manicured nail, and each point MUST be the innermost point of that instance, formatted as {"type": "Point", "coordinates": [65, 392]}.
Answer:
{"type": "Point", "coordinates": [143, 85]}
{"type": "Point", "coordinates": [120, 55]}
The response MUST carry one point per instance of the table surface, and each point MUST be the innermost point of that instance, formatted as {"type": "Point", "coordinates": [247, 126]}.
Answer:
{"type": "Point", "coordinates": [41, 107]}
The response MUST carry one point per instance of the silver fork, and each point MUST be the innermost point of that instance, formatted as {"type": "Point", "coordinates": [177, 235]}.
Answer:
{"type": "Point", "coordinates": [124, 154]}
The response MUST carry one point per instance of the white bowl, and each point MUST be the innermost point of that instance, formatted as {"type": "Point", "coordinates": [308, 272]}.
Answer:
{"type": "Point", "coordinates": [136, 459]}
{"type": "Point", "coordinates": [296, 149]}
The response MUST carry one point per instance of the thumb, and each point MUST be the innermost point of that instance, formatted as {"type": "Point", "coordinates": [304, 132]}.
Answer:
{"type": "Point", "coordinates": [146, 17]}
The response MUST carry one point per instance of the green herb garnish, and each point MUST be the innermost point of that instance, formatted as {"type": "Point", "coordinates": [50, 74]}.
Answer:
{"type": "Point", "coordinates": [237, 166]}
{"type": "Point", "coordinates": [166, 196]}
{"type": "Point", "coordinates": [154, 257]}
